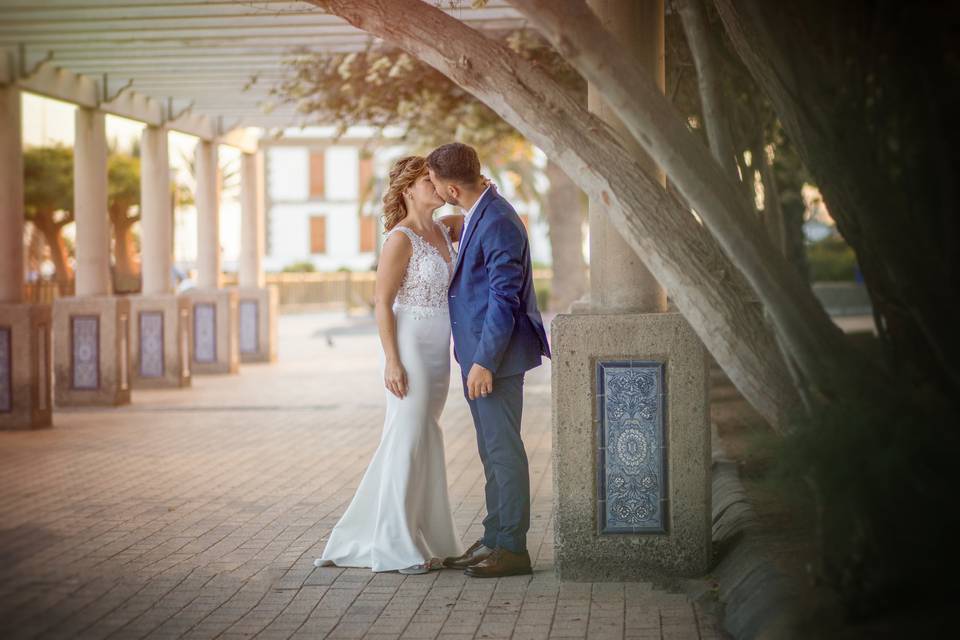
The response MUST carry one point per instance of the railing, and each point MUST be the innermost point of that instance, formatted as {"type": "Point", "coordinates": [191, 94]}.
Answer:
{"type": "Point", "coordinates": [43, 291]}
{"type": "Point", "coordinates": [337, 289]}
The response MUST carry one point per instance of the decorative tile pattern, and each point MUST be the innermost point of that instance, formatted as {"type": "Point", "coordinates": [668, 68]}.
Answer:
{"type": "Point", "coordinates": [205, 332]}
{"type": "Point", "coordinates": [124, 352]}
{"type": "Point", "coordinates": [249, 329]}
{"type": "Point", "coordinates": [6, 370]}
{"type": "Point", "coordinates": [151, 344]}
{"type": "Point", "coordinates": [43, 367]}
{"type": "Point", "coordinates": [184, 343]}
{"type": "Point", "coordinates": [631, 455]}
{"type": "Point", "coordinates": [85, 349]}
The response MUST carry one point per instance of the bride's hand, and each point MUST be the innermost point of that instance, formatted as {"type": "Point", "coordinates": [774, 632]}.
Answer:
{"type": "Point", "coordinates": [395, 378]}
{"type": "Point", "coordinates": [485, 180]}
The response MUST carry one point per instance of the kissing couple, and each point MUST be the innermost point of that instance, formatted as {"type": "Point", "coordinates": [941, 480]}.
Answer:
{"type": "Point", "coordinates": [468, 277]}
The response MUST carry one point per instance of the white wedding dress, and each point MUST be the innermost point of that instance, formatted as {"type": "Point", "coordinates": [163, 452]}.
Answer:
{"type": "Point", "coordinates": [400, 515]}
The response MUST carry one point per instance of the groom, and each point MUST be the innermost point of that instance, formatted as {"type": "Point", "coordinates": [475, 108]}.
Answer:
{"type": "Point", "coordinates": [497, 336]}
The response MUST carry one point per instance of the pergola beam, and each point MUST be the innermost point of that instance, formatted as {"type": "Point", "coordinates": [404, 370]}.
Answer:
{"type": "Point", "coordinates": [196, 66]}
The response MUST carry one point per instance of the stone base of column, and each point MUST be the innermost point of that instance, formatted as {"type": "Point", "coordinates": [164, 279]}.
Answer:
{"type": "Point", "coordinates": [631, 447]}
{"type": "Point", "coordinates": [160, 341]}
{"type": "Point", "coordinates": [258, 324]}
{"type": "Point", "coordinates": [25, 371]}
{"type": "Point", "coordinates": [91, 351]}
{"type": "Point", "coordinates": [214, 328]}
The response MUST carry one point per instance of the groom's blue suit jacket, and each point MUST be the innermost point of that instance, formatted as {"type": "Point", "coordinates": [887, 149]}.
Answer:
{"type": "Point", "coordinates": [493, 309]}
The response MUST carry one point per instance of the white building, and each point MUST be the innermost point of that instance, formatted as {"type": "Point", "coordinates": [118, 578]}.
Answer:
{"type": "Point", "coordinates": [324, 201]}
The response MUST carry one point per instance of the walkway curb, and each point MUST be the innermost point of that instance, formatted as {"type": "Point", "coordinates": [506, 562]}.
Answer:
{"type": "Point", "coordinates": [759, 602]}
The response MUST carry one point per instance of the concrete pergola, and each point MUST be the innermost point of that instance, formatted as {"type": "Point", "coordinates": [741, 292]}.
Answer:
{"type": "Point", "coordinates": [203, 68]}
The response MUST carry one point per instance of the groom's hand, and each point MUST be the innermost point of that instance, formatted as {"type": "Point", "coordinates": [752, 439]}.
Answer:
{"type": "Point", "coordinates": [479, 382]}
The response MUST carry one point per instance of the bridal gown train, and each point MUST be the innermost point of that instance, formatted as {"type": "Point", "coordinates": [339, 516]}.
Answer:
{"type": "Point", "coordinates": [400, 515]}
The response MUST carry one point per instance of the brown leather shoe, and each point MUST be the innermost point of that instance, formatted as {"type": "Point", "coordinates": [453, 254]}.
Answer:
{"type": "Point", "coordinates": [501, 563]}
{"type": "Point", "coordinates": [476, 553]}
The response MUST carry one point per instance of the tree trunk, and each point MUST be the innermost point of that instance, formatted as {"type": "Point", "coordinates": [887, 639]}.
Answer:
{"type": "Point", "coordinates": [53, 235]}
{"type": "Point", "coordinates": [808, 333]}
{"type": "Point", "coordinates": [706, 287]}
{"type": "Point", "coordinates": [821, 91]}
{"type": "Point", "coordinates": [125, 272]}
{"type": "Point", "coordinates": [772, 211]}
{"type": "Point", "coordinates": [565, 217]}
{"type": "Point", "coordinates": [716, 119]}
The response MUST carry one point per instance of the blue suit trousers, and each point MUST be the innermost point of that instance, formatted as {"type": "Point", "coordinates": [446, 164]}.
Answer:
{"type": "Point", "coordinates": [497, 421]}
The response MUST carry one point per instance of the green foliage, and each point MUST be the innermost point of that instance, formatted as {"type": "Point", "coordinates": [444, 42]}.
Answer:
{"type": "Point", "coordinates": [388, 87]}
{"type": "Point", "coordinates": [123, 187]}
{"type": "Point", "coordinates": [831, 260]}
{"type": "Point", "coordinates": [48, 182]}
{"type": "Point", "coordinates": [123, 173]}
{"type": "Point", "coordinates": [302, 266]}
{"type": "Point", "coordinates": [543, 298]}
{"type": "Point", "coordinates": [880, 478]}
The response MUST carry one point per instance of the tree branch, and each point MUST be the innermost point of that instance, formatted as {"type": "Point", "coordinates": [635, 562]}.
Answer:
{"type": "Point", "coordinates": [712, 99]}
{"type": "Point", "coordinates": [681, 254]}
{"type": "Point", "coordinates": [811, 337]}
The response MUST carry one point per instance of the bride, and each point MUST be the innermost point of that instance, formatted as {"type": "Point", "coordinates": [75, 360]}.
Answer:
{"type": "Point", "coordinates": [400, 517]}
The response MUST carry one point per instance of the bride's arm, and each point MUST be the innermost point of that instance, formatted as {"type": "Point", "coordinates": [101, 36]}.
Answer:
{"type": "Point", "coordinates": [393, 264]}
{"type": "Point", "coordinates": [453, 223]}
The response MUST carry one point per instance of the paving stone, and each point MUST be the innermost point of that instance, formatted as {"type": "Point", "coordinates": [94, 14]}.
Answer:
{"type": "Point", "coordinates": [197, 513]}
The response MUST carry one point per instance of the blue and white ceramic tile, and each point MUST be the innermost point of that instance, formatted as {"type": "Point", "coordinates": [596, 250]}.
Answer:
{"type": "Point", "coordinates": [85, 336]}
{"type": "Point", "coordinates": [205, 332]}
{"type": "Point", "coordinates": [631, 455]}
{"type": "Point", "coordinates": [151, 344]}
{"type": "Point", "coordinates": [249, 340]}
{"type": "Point", "coordinates": [6, 362]}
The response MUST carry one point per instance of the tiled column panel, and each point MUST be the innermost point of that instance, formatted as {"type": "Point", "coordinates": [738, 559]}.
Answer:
{"type": "Point", "coordinates": [25, 366]}
{"type": "Point", "coordinates": [214, 328]}
{"type": "Point", "coordinates": [631, 447]}
{"type": "Point", "coordinates": [91, 350]}
{"type": "Point", "coordinates": [258, 324]}
{"type": "Point", "coordinates": [159, 358]}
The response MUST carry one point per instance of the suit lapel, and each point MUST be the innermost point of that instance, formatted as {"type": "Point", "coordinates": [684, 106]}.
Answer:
{"type": "Point", "coordinates": [469, 231]}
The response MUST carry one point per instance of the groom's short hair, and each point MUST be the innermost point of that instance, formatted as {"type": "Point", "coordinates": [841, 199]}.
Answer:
{"type": "Point", "coordinates": [455, 161]}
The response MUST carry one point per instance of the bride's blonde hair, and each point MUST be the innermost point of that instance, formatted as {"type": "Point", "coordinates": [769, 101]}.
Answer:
{"type": "Point", "coordinates": [403, 174]}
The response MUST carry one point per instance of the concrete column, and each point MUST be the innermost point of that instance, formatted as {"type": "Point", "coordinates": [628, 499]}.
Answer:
{"type": "Point", "coordinates": [160, 326]}
{"type": "Point", "coordinates": [251, 221]}
{"type": "Point", "coordinates": [91, 346]}
{"type": "Point", "coordinates": [257, 306]}
{"type": "Point", "coordinates": [215, 326]}
{"type": "Point", "coordinates": [619, 281]}
{"type": "Point", "coordinates": [11, 196]}
{"type": "Point", "coordinates": [90, 204]}
{"type": "Point", "coordinates": [631, 440]}
{"type": "Point", "coordinates": [208, 215]}
{"type": "Point", "coordinates": [25, 335]}
{"type": "Point", "coordinates": [157, 217]}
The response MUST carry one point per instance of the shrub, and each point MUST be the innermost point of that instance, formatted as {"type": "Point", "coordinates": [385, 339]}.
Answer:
{"type": "Point", "coordinates": [831, 260]}
{"type": "Point", "coordinates": [299, 267]}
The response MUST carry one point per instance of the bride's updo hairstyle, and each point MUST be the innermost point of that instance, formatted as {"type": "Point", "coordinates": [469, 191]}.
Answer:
{"type": "Point", "coordinates": [403, 174]}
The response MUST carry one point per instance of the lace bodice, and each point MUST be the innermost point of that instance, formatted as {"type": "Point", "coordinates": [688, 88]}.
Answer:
{"type": "Point", "coordinates": [423, 290]}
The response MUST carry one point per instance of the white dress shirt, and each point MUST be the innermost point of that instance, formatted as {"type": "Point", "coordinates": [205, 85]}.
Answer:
{"type": "Point", "coordinates": [466, 220]}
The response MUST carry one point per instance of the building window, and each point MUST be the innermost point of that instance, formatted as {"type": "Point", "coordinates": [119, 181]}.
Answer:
{"type": "Point", "coordinates": [368, 234]}
{"type": "Point", "coordinates": [318, 234]}
{"type": "Point", "coordinates": [317, 169]}
{"type": "Point", "coordinates": [365, 182]}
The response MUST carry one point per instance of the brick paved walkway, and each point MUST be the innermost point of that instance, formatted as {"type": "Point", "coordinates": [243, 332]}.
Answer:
{"type": "Point", "coordinates": [198, 513]}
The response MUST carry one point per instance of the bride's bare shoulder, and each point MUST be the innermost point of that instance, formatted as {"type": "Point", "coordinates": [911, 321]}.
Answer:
{"type": "Point", "coordinates": [396, 246]}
